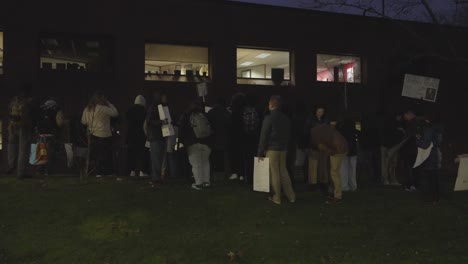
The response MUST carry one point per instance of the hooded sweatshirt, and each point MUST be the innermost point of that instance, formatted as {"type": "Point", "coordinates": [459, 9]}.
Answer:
{"type": "Point", "coordinates": [135, 119]}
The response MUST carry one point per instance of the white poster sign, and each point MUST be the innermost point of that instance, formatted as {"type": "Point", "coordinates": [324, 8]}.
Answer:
{"type": "Point", "coordinates": [202, 89]}
{"type": "Point", "coordinates": [462, 179]}
{"type": "Point", "coordinates": [420, 87]}
{"type": "Point", "coordinates": [261, 181]}
{"type": "Point", "coordinates": [423, 155]}
{"type": "Point", "coordinates": [168, 129]}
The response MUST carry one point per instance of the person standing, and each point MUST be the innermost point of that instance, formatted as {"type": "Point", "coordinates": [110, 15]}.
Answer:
{"type": "Point", "coordinates": [432, 134]}
{"type": "Point", "coordinates": [237, 133]}
{"type": "Point", "coordinates": [333, 144]}
{"type": "Point", "coordinates": [348, 168]}
{"type": "Point", "coordinates": [97, 117]}
{"type": "Point", "coordinates": [220, 119]}
{"type": "Point", "coordinates": [274, 139]}
{"type": "Point", "coordinates": [136, 139]}
{"type": "Point", "coordinates": [155, 137]}
{"type": "Point", "coordinates": [317, 160]}
{"type": "Point", "coordinates": [20, 126]}
{"type": "Point", "coordinates": [47, 126]}
{"type": "Point", "coordinates": [195, 134]}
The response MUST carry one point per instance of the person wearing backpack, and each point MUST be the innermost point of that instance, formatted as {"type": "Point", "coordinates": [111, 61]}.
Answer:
{"type": "Point", "coordinates": [20, 126]}
{"type": "Point", "coordinates": [220, 119]}
{"type": "Point", "coordinates": [47, 127]}
{"type": "Point", "coordinates": [251, 132]}
{"type": "Point", "coordinates": [195, 134]}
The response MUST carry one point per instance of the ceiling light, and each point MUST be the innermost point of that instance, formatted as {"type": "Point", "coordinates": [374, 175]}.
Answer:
{"type": "Point", "coordinates": [263, 55]}
{"type": "Point", "coordinates": [247, 63]}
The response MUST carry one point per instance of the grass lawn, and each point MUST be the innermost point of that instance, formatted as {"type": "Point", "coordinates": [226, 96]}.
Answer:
{"type": "Point", "coordinates": [125, 222]}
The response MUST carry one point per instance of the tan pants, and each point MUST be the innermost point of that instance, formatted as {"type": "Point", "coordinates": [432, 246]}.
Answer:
{"type": "Point", "coordinates": [279, 176]}
{"type": "Point", "coordinates": [335, 167]}
{"type": "Point", "coordinates": [318, 167]}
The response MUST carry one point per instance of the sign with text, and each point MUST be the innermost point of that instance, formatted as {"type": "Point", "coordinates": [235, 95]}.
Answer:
{"type": "Point", "coordinates": [420, 87]}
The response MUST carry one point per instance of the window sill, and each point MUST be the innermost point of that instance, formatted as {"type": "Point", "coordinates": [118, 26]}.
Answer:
{"type": "Point", "coordinates": [262, 82]}
{"type": "Point", "coordinates": [174, 78]}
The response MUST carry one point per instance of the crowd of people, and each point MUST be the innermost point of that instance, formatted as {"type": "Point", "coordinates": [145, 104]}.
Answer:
{"type": "Point", "coordinates": [226, 138]}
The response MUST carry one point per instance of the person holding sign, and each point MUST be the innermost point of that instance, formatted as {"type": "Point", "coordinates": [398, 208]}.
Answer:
{"type": "Point", "coordinates": [274, 139]}
{"type": "Point", "coordinates": [153, 124]}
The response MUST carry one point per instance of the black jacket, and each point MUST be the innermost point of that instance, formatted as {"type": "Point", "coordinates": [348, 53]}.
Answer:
{"type": "Point", "coordinates": [275, 133]}
{"type": "Point", "coordinates": [136, 115]}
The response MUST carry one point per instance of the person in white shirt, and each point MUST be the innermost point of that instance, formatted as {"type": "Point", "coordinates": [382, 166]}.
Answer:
{"type": "Point", "coordinates": [97, 117]}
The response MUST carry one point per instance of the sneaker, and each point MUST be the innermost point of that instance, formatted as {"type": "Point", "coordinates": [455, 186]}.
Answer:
{"type": "Point", "coordinates": [411, 189]}
{"type": "Point", "coordinates": [197, 187]}
{"type": "Point", "coordinates": [241, 178]}
{"type": "Point", "coordinates": [132, 174]}
{"type": "Point", "coordinates": [119, 179]}
{"type": "Point", "coordinates": [271, 199]}
{"type": "Point", "coordinates": [143, 174]}
{"type": "Point", "coordinates": [233, 177]}
{"type": "Point", "coordinates": [98, 176]}
{"type": "Point", "coordinates": [206, 185]}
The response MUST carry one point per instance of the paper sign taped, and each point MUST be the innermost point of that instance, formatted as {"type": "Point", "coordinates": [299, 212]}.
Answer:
{"type": "Point", "coordinates": [202, 89]}
{"type": "Point", "coordinates": [261, 181]}
{"type": "Point", "coordinates": [168, 130]}
{"type": "Point", "coordinates": [462, 179]}
{"type": "Point", "coordinates": [420, 87]}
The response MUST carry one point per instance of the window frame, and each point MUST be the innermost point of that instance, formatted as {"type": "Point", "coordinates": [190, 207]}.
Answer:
{"type": "Point", "coordinates": [360, 57]}
{"type": "Point", "coordinates": [289, 51]}
{"type": "Point", "coordinates": [172, 77]}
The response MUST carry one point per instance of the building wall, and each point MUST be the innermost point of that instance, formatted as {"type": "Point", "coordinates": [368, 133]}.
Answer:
{"type": "Point", "coordinates": [385, 47]}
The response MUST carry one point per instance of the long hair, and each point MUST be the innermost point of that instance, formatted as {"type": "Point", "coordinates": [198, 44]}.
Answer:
{"type": "Point", "coordinates": [98, 98]}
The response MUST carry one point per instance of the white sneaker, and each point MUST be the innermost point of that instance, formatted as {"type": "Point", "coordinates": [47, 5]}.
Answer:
{"type": "Point", "coordinates": [132, 174]}
{"type": "Point", "coordinates": [142, 174]}
{"type": "Point", "coordinates": [241, 178]}
{"type": "Point", "coordinates": [98, 176]}
{"type": "Point", "coordinates": [233, 177]}
{"type": "Point", "coordinates": [195, 187]}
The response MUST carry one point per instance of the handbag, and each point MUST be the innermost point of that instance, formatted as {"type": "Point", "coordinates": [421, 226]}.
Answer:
{"type": "Point", "coordinates": [39, 154]}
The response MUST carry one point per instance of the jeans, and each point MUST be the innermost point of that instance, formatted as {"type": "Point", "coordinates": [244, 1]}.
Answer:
{"type": "Point", "coordinates": [348, 173]}
{"type": "Point", "coordinates": [157, 150]}
{"type": "Point", "coordinates": [199, 158]}
{"type": "Point", "coordinates": [279, 176]}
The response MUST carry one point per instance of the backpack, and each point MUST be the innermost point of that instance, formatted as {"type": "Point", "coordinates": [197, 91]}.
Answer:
{"type": "Point", "coordinates": [47, 123]}
{"type": "Point", "coordinates": [200, 125]}
{"type": "Point", "coordinates": [251, 120]}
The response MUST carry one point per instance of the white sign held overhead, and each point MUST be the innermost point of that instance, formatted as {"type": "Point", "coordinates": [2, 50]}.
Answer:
{"type": "Point", "coordinates": [462, 179]}
{"type": "Point", "coordinates": [202, 89]}
{"type": "Point", "coordinates": [420, 87]}
{"type": "Point", "coordinates": [261, 175]}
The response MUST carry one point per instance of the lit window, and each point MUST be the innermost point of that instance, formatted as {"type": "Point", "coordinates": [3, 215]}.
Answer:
{"type": "Point", "coordinates": [1, 52]}
{"type": "Point", "coordinates": [163, 60]}
{"type": "Point", "coordinates": [336, 68]}
{"type": "Point", "coordinates": [72, 53]}
{"type": "Point", "coordinates": [262, 64]}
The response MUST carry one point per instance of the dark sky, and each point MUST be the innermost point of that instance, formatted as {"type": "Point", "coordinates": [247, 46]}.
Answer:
{"type": "Point", "coordinates": [443, 8]}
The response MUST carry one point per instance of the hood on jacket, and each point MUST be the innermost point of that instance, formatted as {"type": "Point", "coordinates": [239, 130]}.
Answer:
{"type": "Point", "coordinates": [140, 100]}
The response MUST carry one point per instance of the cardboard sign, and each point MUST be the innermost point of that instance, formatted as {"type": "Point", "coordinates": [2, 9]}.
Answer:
{"type": "Point", "coordinates": [202, 89]}
{"type": "Point", "coordinates": [261, 181]}
{"type": "Point", "coordinates": [462, 179]}
{"type": "Point", "coordinates": [420, 87]}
